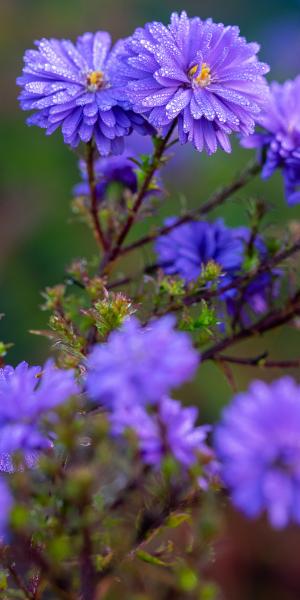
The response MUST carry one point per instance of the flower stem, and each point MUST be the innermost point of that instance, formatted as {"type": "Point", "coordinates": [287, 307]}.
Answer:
{"type": "Point", "coordinates": [99, 235]}
{"type": "Point", "coordinates": [154, 164]}
{"type": "Point", "coordinates": [218, 198]}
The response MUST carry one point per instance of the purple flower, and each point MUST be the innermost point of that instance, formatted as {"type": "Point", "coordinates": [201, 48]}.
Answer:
{"type": "Point", "coordinates": [170, 429]}
{"type": "Point", "coordinates": [77, 87]}
{"type": "Point", "coordinates": [187, 249]}
{"type": "Point", "coordinates": [115, 169]}
{"type": "Point", "coordinates": [280, 138]}
{"type": "Point", "coordinates": [200, 72]}
{"type": "Point", "coordinates": [138, 365]}
{"type": "Point", "coordinates": [27, 394]}
{"type": "Point", "coordinates": [258, 443]}
{"type": "Point", "coordinates": [6, 502]}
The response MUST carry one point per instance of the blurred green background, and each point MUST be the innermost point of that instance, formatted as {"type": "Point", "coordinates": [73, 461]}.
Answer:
{"type": "Point", "coordinates": [38, 239]}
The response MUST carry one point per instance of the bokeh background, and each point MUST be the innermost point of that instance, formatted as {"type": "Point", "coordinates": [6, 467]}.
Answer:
{"type": "Point", "coordinates": [38, 238]}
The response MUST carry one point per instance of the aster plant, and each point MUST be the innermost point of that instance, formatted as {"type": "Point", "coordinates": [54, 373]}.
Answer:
{"type": "Point", "coordinates": [199, 72]}
{"type": "Point", "coordinates": [279, 137]}
{"type": "Point", "coordinates": [110, 457]}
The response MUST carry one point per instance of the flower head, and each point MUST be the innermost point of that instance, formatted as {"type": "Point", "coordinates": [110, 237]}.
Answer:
{"type": "Point", "coordinates": [76, 87]}
{"type": "Point", "coordinates": [168, 430]}
{"type": "Point", "coordinates": [27, 394]}
{"type": "Point", "coordinates": [114, 169]}
{"type": "Point", "coordinates": [140, 364]}
{"type": "Point", "coordinates": [187, 249]}
{"type": "Point", "coordinates": [200, 72]}
{"type": "Point", "coordinates": [280, 137]}
{"type": "Point", "coordinates": [258, 443]}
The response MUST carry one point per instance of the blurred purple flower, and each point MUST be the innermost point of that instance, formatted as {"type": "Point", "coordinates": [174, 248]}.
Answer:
{"type": "Point", "coordinates": [77, 87]}
{"type": "Point", "coordinates": [199, 71]}
{"type": "Point", "coordinates": [138, 365]}
{"type": "Point", "coordinates": [169, 430]}
{"type": "Point", "coordinates": [258, 444]}
{"type": "Point", "coordinates": [27, 394]}
{"type": "Point", "coordinates": [280, 139]}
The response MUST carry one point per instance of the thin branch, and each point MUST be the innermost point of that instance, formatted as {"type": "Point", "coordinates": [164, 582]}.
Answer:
{"type": "Point", "coordinates": [238, 282]}
{"type": "Point", "coordinates": [260, 361]}
{"type": "Point", "coordinates": [160, 148]}
{"type": "Point", "coordinates": [274, 319]}
{"type": "Point", "coordinates": [218, 198]}
{"type": "Point", "coordinates": [99, 235]}
{"type": "Point", "coordinates": [19, 582]}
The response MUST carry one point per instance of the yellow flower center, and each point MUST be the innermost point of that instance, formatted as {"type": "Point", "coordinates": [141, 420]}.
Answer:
{"type": "Point", "coordinates": [203, 78]}
{"type": "Point", "coordinates": [94, 80]}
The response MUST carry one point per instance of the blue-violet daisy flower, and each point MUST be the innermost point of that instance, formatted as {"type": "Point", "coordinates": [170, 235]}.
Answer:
{"type": "Point", "coordinates": [27, 395]}
{"type": "Point", "coordinates": [280, 136]}
{"type": "Point", "coordinates": [200, 72]}
{"type": "Point", "coordinates": [138, 365]}
{"type": "Point", "coordinates": [258, 444]}
{"type": "Point", "coordinates": [77, 87]}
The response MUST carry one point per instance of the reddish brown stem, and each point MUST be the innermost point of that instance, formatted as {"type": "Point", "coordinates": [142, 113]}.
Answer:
{"type": "Point", "coordinates": [260, 361]}
{"type": "Point", "coordinates": [272, 320]}
{"type": "Point", "coordinates": [99, 235]}
{"type": "Point", "coordinates": [160, 148]}
{"type": "Point", "coordinates": [216, 199]}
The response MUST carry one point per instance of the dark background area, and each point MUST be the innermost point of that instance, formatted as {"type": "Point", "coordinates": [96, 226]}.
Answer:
{"type": "Point", "coordinates": [38, 239]}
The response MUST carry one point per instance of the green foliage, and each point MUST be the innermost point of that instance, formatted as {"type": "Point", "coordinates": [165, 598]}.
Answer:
{"type": "Point", "coordinates": [203, 323]}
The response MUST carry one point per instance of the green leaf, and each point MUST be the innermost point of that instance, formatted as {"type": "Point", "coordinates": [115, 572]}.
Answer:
{"type": "Point", "coordinates": [60, 548]}
{"type": "Point", "coordinates": [209, 592]}
{"type": "Point", "coordinates": [149, 558]}
{"type": "Point", "coordinates": [3, 580]}
{"type": "Point", "coordinates": [188, 579]}
{"type": "Point", "coordinates": [176, 519]}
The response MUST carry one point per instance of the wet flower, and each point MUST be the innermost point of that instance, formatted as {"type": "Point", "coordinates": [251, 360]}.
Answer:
{"type": "Point", "coordinates": [138, 365]}
{"type": "Point", "coordinates": [280, 138]}
{"type": "Point", "coordinates": [27, 395]}
{"type": "Point", "coordinates": [258, 444]}
{"type": "Point", "coordinates": [191, 246]}
{"type": "Point", "coordinates": [76, 87]}
{"type": "Point", "coordinates": [188, 249]}
{"type": "Point", "coordinates": [115, 169]}
{"type": "Point", "coordinates": [200, 72]}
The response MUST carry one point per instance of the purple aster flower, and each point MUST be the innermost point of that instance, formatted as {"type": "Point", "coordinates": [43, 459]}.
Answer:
{"type": "Point", "coordinates": [200, 72]}
{"type": "Point", "coordinates": [258, 443]}
{"type": "Point", "coordinates": [187, 249]}
{"type": "Point", "coordinates": [114, 169]}
{"type": "Point", "coordinates": [6, 502]}
{"type": "Point", "coordinates": [138, 365]}
{"type": "Point", "coordinates": [118, 169]}
{"type": "Point", "coordinates": [77, 87]}
{"type": "Point", "coordinates": [280, 138]}
{"type": "Point", "coordinates": [27, 394]}
{"type": "Point", "coordinates": [169, 430]}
